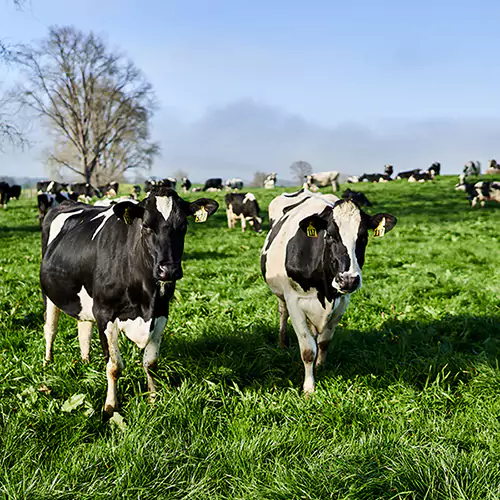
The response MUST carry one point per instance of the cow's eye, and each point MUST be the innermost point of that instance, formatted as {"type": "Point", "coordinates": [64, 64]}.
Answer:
{"type": "Point", "coordinates": [147, 229]}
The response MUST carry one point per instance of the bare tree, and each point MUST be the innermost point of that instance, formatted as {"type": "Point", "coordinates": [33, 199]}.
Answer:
{"type": "Point", "coordinates": [179, 174]}
{"type": "Point", "coordinates": [300, 169]}
{"type": "Point", "coordinates": [258, 179]}
{"type": "Point", "coordinates": [96, 104]}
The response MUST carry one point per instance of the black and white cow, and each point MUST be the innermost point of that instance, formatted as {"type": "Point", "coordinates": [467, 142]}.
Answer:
{"type": "Point", "coordinates": [109, 189]}
{"type": "Point", "coordinates": [213, 184]}
{"type": "Point", "coordinates": [53, 187]}
{"type": "Point", "coordinates": [323, 179]}
{"type": "Point", "coordinates": [85, 190]}
{"type": "Point", "coordinates": [388, 170]}
{"type": "Point", "coordinates": [136, 191]}
{"type": "Point", "coordinates": [185, 185]}
{"type": "Point", "coordinates": [481, 191]}
{"type": "Point", "coordinates": [243, 206]}
{"type": "Point", "coordinates": [357, 197]}
{"type": "Point", "coordinates": [312, 260]}
{"type": "Point", "coordinates": [407, 174]}
{"type": "Point", "coordinates": [270, 180]}
{"type": "Point", "coordinates": [15, 192]}
{"type": "Point", "coordinates": [4, 193]}
{"type": "Point", "coordinates": [234, 183]}
{"type": "Point", "coordinates": [472, 168]}
{"type": "Point", "coordinates": [421, 177]}
{"type": "Point", "coordinates": [434, 169]}
{"type": "Point", "coordinates": [46, 201]}
{"type": "Point", "coordinates": [116, 267]}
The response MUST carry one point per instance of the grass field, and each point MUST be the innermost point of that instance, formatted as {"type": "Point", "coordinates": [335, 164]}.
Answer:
{"type": "Point", "coordinates": [407, 406]}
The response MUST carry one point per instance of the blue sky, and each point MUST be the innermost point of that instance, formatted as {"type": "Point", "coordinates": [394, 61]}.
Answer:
{"type": "Point", "coordinates": [246, 86]}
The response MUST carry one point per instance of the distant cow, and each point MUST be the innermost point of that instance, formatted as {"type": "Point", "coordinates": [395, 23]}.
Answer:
{"type": "Point", "coordinates": [46, 201]}
{"type": "Point", "coordinates": [185, 184]}
{"type": "Point", "coordinates": [472, 168]}
{"type": "Point", "coordinates": [407, 174]}
{"type": "Point", "coordinates": [481, 191]}
{"type": "Point", "coordinates": [214, 183]}
{"type": "Point", "coordinates": [234, 183]}
{"type": "Point", "coordinates": [324, 179]}
{"type": "Point", "coordinates": [4, 193]}
{"type": "Point", "coordinates": [374, 178]}
{"type": "Point", "coordinates": [243, 206]}
{"type": "Point", "coordinates": [109, 189]}
{"type": "Point", "coordinates": [312, 260]}
{"type": "Point", "coordinates": [116, 267]}
{"type": "Point", "coordinates": [358, 197]}
{"type": "Point", "coordinates": [84, 189]}
{"type": "Point", "coordinates": [435, 169]}
{"type": "Point", "coordinates": [389, 170]}
{"type": "Point", "coordinates": [15, 192]}
{"type": "Point", "coordinates": [136, 191]}
{"type": "Point", "coordinates": [53, 187]}
{"type": "Point", "coordinates": [270, 180]}
{"type": "Point", "coordinates": [421, 177]}
{"type": "Point", "coordinates": [151, 182]}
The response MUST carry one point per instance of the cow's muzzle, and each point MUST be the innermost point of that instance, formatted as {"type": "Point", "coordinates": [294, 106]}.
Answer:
{"type": "Point", "coordinates": [168, 272]}
{"type": "Point", "coordinates": [347, 283]}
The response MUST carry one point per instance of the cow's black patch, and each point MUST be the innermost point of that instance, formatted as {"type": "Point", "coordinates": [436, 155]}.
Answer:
{"type": "Point", "coordinates": [291, 207]}
{"type": "Point", "coordinates": [293, 195]}
{"type": "Point", "coordinates": [275, 229]}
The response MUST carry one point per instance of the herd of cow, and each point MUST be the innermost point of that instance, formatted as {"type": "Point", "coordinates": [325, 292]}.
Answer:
{"type": "Point", "coordinates": [116, 265]}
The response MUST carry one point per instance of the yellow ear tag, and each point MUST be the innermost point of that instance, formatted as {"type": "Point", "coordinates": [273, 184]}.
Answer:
{"type": "Point", "coordinates": [380, 229]}
{"type": "Point", "coordinates": [201, 215]}
{"type": "Point", "coordinates": [126, 216]}
{"type": "Point", "coordinates": [311, 231]}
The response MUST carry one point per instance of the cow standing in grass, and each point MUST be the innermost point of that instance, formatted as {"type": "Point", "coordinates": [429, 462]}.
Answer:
{"type": "Point", "coordinates": [312, 260]}
{"type": "Point", "coordinates": [116, 267]}
{"type": "Point", "coordinates": [323, 179]}
{"type": "Point", "coordinates": [243, 206]}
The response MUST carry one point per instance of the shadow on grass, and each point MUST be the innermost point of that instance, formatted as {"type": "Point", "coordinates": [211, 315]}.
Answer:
{"type": "Point", "coordinates": [19, 230]}
{"type": "Point", "coordinates": [408, 351]}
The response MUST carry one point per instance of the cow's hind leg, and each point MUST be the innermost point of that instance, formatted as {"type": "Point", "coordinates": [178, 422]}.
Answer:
{"type": "Point", "coordinates": [84, 338]}
{"type": "Point", "coordinates": [150, 359]}
{"type": "Point", "coordinates": [50, 328]}
{"type": "Point", "coordinates": [283, 342]}
{"type": "Point", "coordinates": [307, 343]}
{"type": "Point", "coordinates": [114, 367]}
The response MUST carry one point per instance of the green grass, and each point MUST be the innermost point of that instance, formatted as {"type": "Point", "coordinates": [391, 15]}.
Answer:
{"type": "Point", "coordinates": [407, 406]}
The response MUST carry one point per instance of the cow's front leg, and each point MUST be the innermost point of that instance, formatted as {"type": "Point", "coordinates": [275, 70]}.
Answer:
{"type": "Point", "coordinates": [150, 359]}
{"type": "Point", "coordinates": [307, 343]}
{"type": "Point", "coordinates": [243, 223]}
{"type": "Point", "coordinates": [325, 337]}
{"type": "Point", "coordinates": [50, 328]}
{"type": "Point", "coordinates": [230, 215]}
{"type": "Point", "coordinates": [114, 367]}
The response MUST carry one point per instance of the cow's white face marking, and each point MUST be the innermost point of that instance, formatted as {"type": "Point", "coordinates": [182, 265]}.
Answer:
{"type": "Point", "coordinates": [249, 197]}
{"type": "Point", "coordinates": [164, 205]}
{"type": "Point", "coordinates": [58, 223]}
{"type": "Point", "coordinates": [87, 303]}
{"type": "Point", "coordinates": [105, 215]}
{"type": "Point", "coordinates": [348, 219]}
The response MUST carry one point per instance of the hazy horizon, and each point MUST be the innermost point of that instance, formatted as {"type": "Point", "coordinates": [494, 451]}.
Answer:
{"type": "Point", "coordinates": [245, 88]}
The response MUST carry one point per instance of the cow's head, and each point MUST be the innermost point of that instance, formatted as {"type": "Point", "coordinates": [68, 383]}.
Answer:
{"type": "Point", "coordinates": [163, 223]}
{"type": "Point", "coordinates": [344, 228]}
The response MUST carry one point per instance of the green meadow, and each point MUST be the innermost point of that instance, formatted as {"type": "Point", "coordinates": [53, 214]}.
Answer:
{"type": "Point", "coordinates": [407, 406]}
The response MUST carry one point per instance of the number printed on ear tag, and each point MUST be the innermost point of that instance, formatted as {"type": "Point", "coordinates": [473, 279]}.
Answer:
{"type": "Point", "coordinates": [201, 215]}
{"type": "Point", "coordinates": [311, 231]}
{"type": "Point", "coordinates": [380, 229]}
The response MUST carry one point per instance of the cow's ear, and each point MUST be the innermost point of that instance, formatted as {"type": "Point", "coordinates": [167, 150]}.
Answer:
{"type": "Point", "coordinates": [128, 211]}
{"type": "Point", "coordinates": [312, 225]}
{"type": "Point", "coordinates": [202, 209]}
{"type": "Point", "coordinates": [381, 224]}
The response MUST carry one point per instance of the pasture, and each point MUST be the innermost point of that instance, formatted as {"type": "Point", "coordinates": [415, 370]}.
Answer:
{"type": "Point", "coordinates": [407, 407]}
